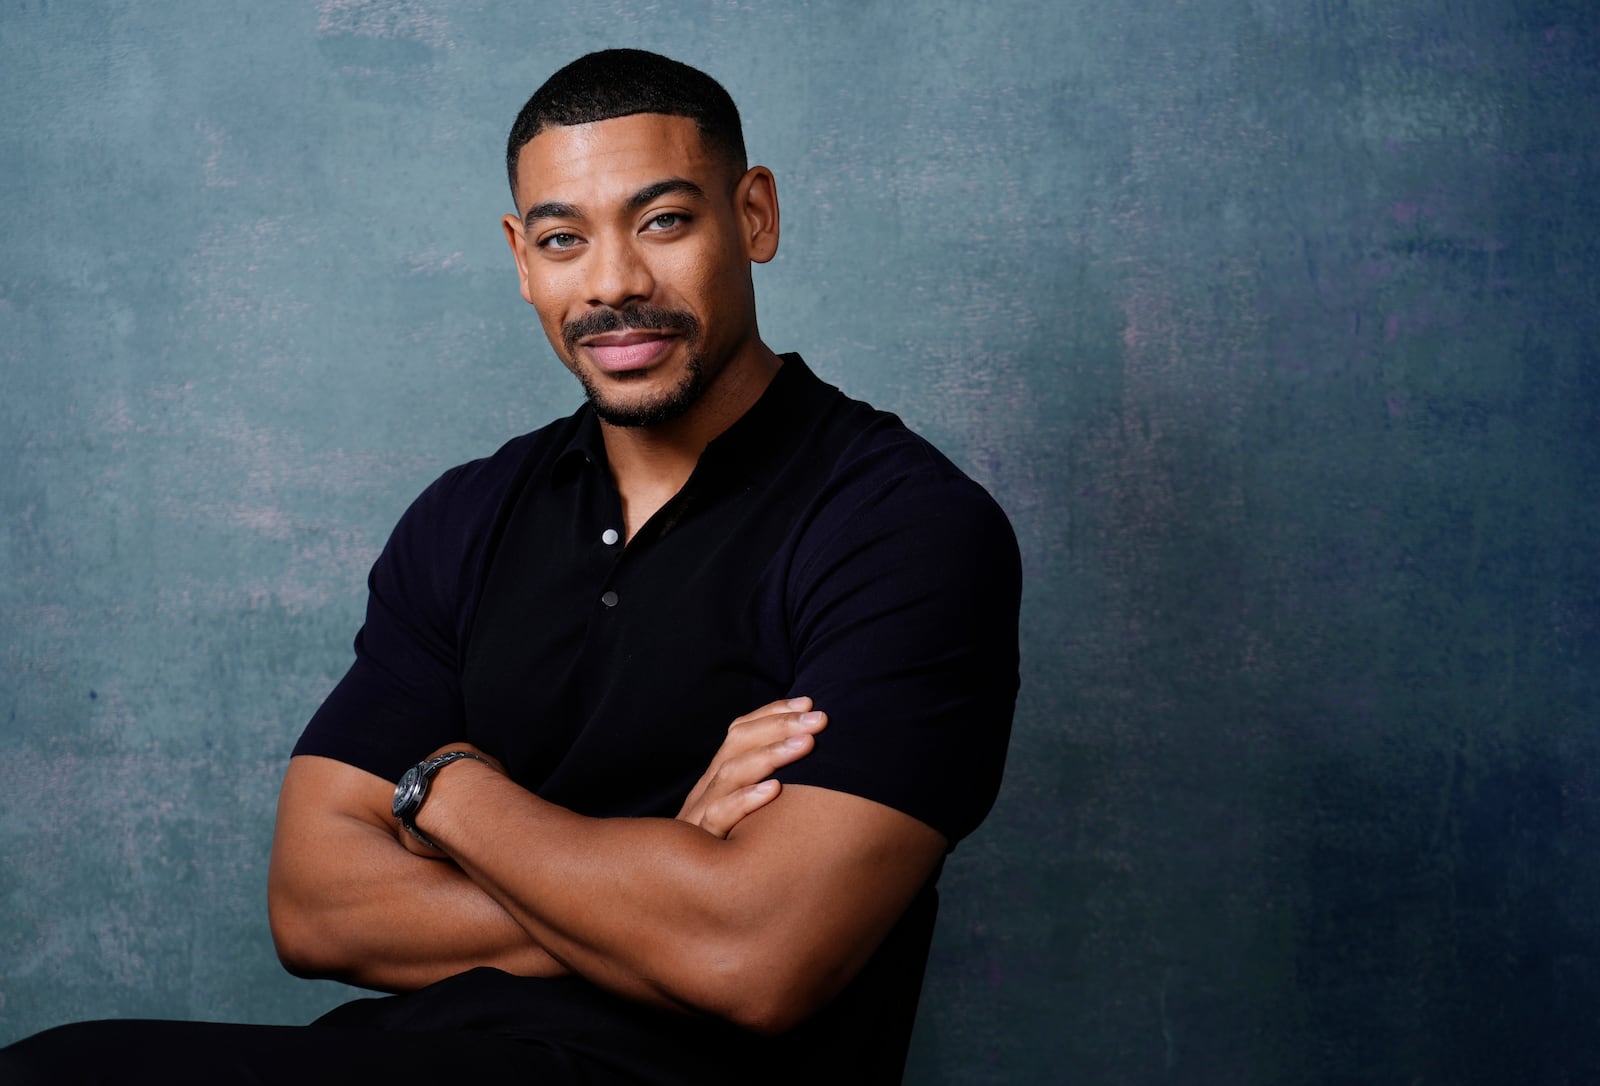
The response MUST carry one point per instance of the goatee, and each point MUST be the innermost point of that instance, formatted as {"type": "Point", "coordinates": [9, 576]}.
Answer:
{"type": "Point", "coordinates": [665, 407]}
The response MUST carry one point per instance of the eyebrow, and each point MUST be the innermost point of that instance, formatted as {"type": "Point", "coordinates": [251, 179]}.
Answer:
{"type": "Point", "coordinates": [650, 193]}
{"type": "Point", "coordinates": [678, 185]}
{"type": "Point", "coordinates": [550, 211]}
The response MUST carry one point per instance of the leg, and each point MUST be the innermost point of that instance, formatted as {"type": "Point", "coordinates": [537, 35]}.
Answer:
{"type": "Point", "coordinates": [133, 1051]}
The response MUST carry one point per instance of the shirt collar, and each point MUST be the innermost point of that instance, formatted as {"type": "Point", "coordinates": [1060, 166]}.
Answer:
{"type": "Point", "coordinates": [584, 448]}
{"type": "Point", "coordinates": [785, 410]}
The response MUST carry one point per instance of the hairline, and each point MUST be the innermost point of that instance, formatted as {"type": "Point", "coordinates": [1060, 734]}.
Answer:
{"type": "Point", "coordinates": [715, 148]}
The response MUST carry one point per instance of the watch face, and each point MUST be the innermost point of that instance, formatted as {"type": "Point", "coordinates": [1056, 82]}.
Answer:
{"type": "Point", "coordinates": [408, 792]}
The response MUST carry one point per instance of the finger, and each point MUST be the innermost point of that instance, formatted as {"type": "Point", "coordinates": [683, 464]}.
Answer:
{"type": "Point", "coordinates": [762, 746]}
{"type": "Point", "coordinates": [723, 814]}
{"type": "Point", "coordinates": [783, 705]}
{"type": "Point", "coordinates": [746, 735]}
{"type": "Point", "coordinates": [742, 771]}
{"type": "Point", "coordinates": [741, 760]}
{"type": "Point", "coordinates": [762, 762]}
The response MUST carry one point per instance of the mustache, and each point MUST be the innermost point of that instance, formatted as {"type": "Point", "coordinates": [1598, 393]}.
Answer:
{"type": "Point", "coordinates": [642, 316]}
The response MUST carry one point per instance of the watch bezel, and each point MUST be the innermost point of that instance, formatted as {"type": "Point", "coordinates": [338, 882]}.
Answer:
{"type": "Point", "coordinates": [408, 793]}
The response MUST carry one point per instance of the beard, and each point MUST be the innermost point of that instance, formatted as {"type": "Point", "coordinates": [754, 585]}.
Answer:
{"type": "Point", "coordinates": [663, 407]}
{"type": "Point", "coordinates": [666, 406]}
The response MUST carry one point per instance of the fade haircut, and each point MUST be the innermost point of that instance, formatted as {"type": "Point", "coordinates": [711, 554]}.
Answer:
{"type": "Point", "coordinates": [620, 82]}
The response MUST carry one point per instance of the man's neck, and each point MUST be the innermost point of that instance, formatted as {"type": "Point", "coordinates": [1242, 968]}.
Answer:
{"type": "Point", "coordinates": [651, 463]}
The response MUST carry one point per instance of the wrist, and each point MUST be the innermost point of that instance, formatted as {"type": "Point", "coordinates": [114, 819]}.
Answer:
{"type": "Point", "coordinates": [453, 784]}
{"type": "Point", "coordinates": [416, 786]}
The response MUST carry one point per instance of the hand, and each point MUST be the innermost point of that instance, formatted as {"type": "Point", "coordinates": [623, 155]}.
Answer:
{"type": "Point", "coordinates": [410, 841]}
{"type": "Point", "coordinates": [738, 782]}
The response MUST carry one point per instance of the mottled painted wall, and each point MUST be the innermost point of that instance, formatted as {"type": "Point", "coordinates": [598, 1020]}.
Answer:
{"type": "Point", "coordinates": [1270, 322]}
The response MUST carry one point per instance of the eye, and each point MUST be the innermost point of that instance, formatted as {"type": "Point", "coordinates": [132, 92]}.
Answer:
{"type": "Point", "coordinates": [666, 221]}
{"type": "Point", "coordinates": [559, 242]}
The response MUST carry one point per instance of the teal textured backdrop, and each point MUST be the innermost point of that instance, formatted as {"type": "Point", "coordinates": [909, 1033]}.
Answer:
{"type": "Point", "coordinates": [1271, 323]}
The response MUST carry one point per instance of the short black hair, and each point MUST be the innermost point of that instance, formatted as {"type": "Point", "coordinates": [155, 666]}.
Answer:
{"type": "Point", "coordinates": [621, 82]}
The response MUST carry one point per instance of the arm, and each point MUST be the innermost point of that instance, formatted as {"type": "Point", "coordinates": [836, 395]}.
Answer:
{"type": "Point", "coordinates": [761, 928]}
{"type": "Point", "coordinates": [348, 901]}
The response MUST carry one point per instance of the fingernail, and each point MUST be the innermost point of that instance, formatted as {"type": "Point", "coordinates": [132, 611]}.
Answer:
{"type": "Point", "coordinates": [799, 703]}
{"type": "Point", "coordinates": [811, 718]}
{"type": "Point", "coordinates": [794, 742]}
{"type": "Point", "coordinates": [766, 786]}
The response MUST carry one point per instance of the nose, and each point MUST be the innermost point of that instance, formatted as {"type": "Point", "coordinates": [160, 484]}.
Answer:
{"type": "Point", "coordinates": [617, 274]}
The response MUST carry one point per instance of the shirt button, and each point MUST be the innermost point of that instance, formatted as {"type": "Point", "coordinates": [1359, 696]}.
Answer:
{"type": "Point", "coordinates": [609, 536]}
{"type": "Point", "coordinates": [609, 599]}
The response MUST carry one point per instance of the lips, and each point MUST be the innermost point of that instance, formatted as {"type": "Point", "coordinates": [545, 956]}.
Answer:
{"type": "Point", "coordinates": [624, 352]}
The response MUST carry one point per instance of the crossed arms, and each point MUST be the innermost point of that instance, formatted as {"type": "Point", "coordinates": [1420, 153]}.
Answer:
{"type": "Point", "coordinates": [756, 904]}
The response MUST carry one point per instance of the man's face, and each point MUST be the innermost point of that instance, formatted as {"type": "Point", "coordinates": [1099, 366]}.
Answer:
{"type": "Point", "coordinates": [634, 245]}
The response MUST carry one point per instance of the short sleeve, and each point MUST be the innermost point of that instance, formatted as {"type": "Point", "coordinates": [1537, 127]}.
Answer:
{"type": "Point", "coordinates": [401, 699]}
{"type": "Point", "coordinates": [904, 601]}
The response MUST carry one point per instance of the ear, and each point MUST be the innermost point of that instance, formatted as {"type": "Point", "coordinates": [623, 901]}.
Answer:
{"type": "Point", "coordinates": [519, 251]}
{"type": "Point", "coordinates": [755, 201]}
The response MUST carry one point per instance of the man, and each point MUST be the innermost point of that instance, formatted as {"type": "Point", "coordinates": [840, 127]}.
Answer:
{"type": "Point", "coordinates": [584, 874]}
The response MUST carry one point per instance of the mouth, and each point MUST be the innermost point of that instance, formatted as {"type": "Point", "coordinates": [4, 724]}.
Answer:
{"type": "Point", "coordinates": [625, 352]}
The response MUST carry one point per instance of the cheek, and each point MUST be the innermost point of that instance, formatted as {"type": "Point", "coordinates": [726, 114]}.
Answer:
{"type": "Point", "coordinates": [700, 282]}
{"type": "Point", "coordinates": [550, 318]}
{"type": "Point", "coordinates": [549, 300]}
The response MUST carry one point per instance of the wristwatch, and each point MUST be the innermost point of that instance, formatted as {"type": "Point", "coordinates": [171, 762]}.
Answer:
{"type": "Point", "coordinates": [413, 789]}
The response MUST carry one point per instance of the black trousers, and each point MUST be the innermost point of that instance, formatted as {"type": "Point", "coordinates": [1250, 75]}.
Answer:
{"type": "Point", "coordinates": [139, 1051]}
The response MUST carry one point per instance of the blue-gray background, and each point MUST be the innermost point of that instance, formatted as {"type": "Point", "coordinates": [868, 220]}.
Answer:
{"type": "Point", "coordinates": [1269, 322]}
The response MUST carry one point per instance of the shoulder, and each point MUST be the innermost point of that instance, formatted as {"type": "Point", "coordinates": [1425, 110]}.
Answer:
{"type": "Point", "coordinates": [438, 549]}
{"type": "Point", "coordinates": [485, 482]}
{"type": "Point", "coordinates": [461, 506]}
{"type": "Point", "coordinates": [900, 539]}
{"type": "Point", "coordinates": [887, 480]}
{"type": "Point", "coordinates": [903, 605]}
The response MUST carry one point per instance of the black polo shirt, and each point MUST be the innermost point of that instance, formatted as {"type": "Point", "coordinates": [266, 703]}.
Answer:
{"type": "Point", "coordinates": [818, 548]}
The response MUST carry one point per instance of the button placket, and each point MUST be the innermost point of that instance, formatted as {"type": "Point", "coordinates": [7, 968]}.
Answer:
{"type": "Point", "coordinates": [608, 538]}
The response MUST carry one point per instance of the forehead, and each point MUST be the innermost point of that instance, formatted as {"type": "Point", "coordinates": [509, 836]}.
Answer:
{"type": "Point", "coordinates": [591, 165]}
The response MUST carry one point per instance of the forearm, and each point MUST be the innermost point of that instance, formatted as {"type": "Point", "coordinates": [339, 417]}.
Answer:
{"type": "Point", "coordinates": [353, 898]}
{"type": "Point", "coordinates": [348, 902]}
{"type": "Point", "coordinates": [637, 880]}
{"type": "Point", "coordinates": [760, 928]}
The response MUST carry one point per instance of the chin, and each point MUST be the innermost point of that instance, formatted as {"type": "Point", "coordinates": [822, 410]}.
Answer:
{"type": "Point", "coordinates": [647, 408]}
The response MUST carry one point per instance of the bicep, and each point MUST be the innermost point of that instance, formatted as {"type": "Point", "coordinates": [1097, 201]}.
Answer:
{"type": "Point", "coordinates": [401, 697]}
{"type": "Point", "coordinates": [330, 815]}
{"type": "Point", "coordinates": [835, 872]}
{"type": "Point", "coordinates": [318, 792]}
{"type": "Point", "coordinates": [905, 634]}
